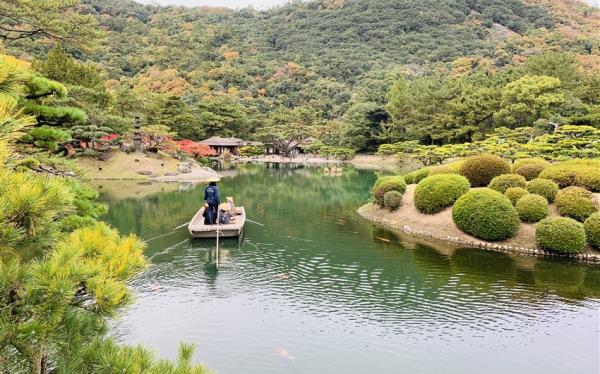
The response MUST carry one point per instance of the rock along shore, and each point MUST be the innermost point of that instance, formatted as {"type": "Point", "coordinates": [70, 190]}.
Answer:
{"type": "Point", "coordinates": [440, 227]}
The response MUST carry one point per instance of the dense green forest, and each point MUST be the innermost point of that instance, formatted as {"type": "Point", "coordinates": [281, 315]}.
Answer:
{"type": "Point", "coordinates": [353, 73]}
{"type": "Point", "coordinates": [431, 79]}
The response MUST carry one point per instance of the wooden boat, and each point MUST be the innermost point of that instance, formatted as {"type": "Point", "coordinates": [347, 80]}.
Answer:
{"type": "Point", "coordinates": [198, 229]}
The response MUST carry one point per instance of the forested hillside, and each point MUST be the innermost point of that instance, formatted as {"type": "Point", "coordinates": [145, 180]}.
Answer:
{"type": "Point", "coordinates": [325, 68]}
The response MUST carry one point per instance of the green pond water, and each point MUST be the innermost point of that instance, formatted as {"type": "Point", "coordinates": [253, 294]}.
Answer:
{"type": "Point", "coordinates": [312, 288]}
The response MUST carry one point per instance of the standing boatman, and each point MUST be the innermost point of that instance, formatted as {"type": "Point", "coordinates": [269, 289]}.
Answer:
{"type": "Point", "coordinates": [212, 198]}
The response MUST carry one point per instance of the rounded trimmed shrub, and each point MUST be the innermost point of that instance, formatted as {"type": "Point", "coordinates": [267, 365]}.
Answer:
{"type": "Point", "coordinates": [578, 172]}
{"type": "Point", "coordinates": [544, 187]}
{"type": "Point", "coordinates": [442, 169]}
{"type": "Point", "coordinates": [560, 234]}
{"type": "Point", "coordinates": [530, 171]}
{"type": "Point", "coordinates": [503, 182]}
{"type": "Point", "coordinates": [437, 192]}
{"type": "Point", "coordinates": [480, 170]}
{"type": "Point", "coordinates": [449, 168]}
{"type": "Point", "coordinates": [529, 161]}
{"type": "Point", "coordinates": [386, 184]}
{"type": "Point", "coordinates": [392, 200]}
{"type": "Point", "coordinates": [592, 229]}
{"type": "Point", "coordinates": [417, 175]}
{"type": "Point", "coordinates": [486, 214]}
{"type": "Point", "coordinates": [576, 202]}
{"type": "Point", "coordinates": [515, 193]}
{"type": "Point", "coordinates": [408, 179]}
{"type": "Point", "coordinates": [532, 208]}
{"type": "Point", "coordinates": [590, 178]}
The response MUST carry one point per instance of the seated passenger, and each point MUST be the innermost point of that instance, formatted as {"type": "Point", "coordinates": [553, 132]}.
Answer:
{"type": "Point", "coordinates": [224, 214]}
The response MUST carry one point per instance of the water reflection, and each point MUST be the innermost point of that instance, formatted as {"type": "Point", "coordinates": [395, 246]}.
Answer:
{"type": "Point", "coordinates": [313, 279]}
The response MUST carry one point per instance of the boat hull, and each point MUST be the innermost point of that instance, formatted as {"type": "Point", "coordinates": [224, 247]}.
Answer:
{"type": "Point", "coordinates": [213, 234]}
{"type": "Point", "coordinates": [199, 230]}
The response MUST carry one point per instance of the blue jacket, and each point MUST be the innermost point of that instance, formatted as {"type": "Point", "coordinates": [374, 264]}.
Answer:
{"type": "Point", "coordinates": [211, 195]}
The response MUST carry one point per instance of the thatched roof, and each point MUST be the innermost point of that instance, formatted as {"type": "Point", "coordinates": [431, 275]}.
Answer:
{"type": "Point", "coordinates": [222, 142]}
{"type": "Point", "coordinates": [216, 141]}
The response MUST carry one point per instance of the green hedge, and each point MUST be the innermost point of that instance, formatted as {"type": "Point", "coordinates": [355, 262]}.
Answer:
{"type": "Point", "coordinates": [386, 184]}
{"type": "Point", "coordinates": [481, 169]}
{"type": "Point", "coordinates": [503, 182]}
{"type": "Point", "coordinates": [486, 214]}
{"type": "Point", "coordinates": [582, 173]}
{"type": "Point", "coordinates": [544, 187]}
{"type": "Point", "coordinates": [532, 208]}
{"type": "Point", "coordinates": [560, 234]}
{"type": "Point", "coordinates": [339, 153]}
{"type": "Point", "coordinates": [592, 229]}
{"type": "Point", "coordinates": [251, 150]}
{"type": "Point", "coordinates": [531, 171]}
{"type": "Point", "coordinates": [416, 176]}
{"type": "Point", "coordinates": [515, 193]}
{"type": "Point", "coordinates": [529, 161]}
{"type": "Point", "coordinates": [449, 168]}
{"type": "Point", "coordinates": [576, 202]}
{"type": "Point", "coordinates": [437, 192]}
{"type": "Point", "coordinates": [392, 200]}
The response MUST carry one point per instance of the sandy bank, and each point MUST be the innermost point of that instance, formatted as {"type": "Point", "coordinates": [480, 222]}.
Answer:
{"type": "Point", "coordinates": [441, 227]}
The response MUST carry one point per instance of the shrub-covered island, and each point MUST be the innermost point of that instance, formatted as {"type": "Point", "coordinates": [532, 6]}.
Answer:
{"type": "Point", "coordinates": [531, 206]}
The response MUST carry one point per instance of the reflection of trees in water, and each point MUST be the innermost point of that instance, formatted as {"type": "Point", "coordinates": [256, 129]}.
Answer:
{"type": "Point", "coordinates": [280, 193]}
{"type": "Point", "coordinates": [327, 254]}
{"type": "Point", "coordinates": [484, 270]}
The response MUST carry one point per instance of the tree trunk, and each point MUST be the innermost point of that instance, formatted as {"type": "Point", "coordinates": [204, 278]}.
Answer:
{"type": "Point", "coordinates": [40, 363]}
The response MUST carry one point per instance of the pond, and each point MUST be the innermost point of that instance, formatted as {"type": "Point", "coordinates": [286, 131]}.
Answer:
{"type": "Point", "coordinates": [314, 288]}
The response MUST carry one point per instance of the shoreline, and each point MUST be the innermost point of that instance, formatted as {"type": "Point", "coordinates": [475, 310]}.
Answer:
{"type": "Point", "coordinates": [278, 159]}
{"type": "Point", "coordinates": [361, 161]}
{"type": "Point", "coordinates": [441, 228]}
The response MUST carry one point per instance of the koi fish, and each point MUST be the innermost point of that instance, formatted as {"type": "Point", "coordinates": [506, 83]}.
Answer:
{"type": "Point", "coordinates": [284, 353]}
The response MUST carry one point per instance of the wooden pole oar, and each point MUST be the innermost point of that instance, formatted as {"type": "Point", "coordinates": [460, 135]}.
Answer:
{"type": "Point", "coordinates": [218, 234]}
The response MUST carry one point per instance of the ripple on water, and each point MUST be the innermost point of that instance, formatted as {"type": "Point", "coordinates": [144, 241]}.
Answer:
{"type": "Point", "coordinates": [315, 291]}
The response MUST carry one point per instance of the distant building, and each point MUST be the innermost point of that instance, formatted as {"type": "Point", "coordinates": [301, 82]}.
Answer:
{"type": "Point", "coordinates": [231, 145]}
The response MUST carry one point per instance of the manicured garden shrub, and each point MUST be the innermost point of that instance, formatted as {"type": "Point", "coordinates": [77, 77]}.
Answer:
{"type": "Point", "coordinates": [437, 192]}
{"type": "Point", "coordinates": [449, 168]}
{"type": "Point", "coordinates": [560, 234]}
{"type": "Point", "coordinates": [531, 171]}
{"type": "Point", "coordinates": [29, 162]}
{"type": "Point", "coordinates": [576, 202]}
{"type": "Point", "coordinates": [442, 169]}
{"type": "Point", "coordinates": [392, 200]}
{"type": "Point", "coordinates": [416, 176]}
{"type": "Point", "coordinates": [592, 230]}
{"type": "Point", "coordinates": [386, 184]}
{"type": "Point", "coordinates": [582, 173]}
{"type": "Point", "coordinates": [590, 178]}
{"type": "Point", "coordinates": [532, 208]}
{"type": "Point", "coordinates": [515, 193]}
{"type": "Point", "coordinates": [544, 187]}
{"type": "Point", "coordinates": [529, 161]}
{"type": "Point", "coordinates": [486, 214]}
{"type": "Point", "coordinates": [503, 182]}
{"type": "Point", "coordinates": [480, 170]}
